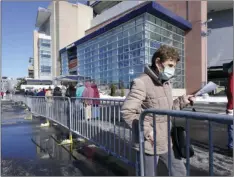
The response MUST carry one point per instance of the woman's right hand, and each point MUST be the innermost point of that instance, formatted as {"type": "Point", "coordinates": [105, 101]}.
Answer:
{"type": "Point", "coordinates": [151, 138]}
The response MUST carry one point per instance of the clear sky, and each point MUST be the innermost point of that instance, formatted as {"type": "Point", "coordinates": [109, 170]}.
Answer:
{"type": "Point", "coordinates": [18, 23]}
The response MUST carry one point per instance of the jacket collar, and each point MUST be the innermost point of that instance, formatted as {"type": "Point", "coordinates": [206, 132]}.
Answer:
{"type": "Point", "coordinates": [152, 74]}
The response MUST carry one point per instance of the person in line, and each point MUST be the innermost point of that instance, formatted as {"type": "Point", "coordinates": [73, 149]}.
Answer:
{"type": "Point", "coordinates": [57, 94]}
{"type": "Point", "coordinates": [49, 102]}
{"type": "Point", "coordinates": [7, 94]}
{"type": "Point", "coordinates": [153, 90]}
{"type": "Point", "coordinates": [79, 92]}
{"type": "Point", "coordinates": [230, 108]}
{"type": "Point", "coordinates": [49, 94]}
{"type": "Point", "coordinates": [80, 89]}
{"type": "Point", "coordinates": [71, 91]}
{"type": "Point", "coordinates": [35, 92]}
{"type": "Point", "coordinates": [88, 93]}
{"type": "Point", "coordinates": [2, 94]}
{"type": "Point", "coordinates": [57, 91]}
{"type": "Point", "coordinates": [26, 93]}
{"type": "Point", "coordinates": [63, 90]}
{"type": "Point", "coordinates": [96, 103]}
{"type": "Point", "coordinates": [41, 93]}
{"type": "Point", "coordinates": [44, 90]}
{"type": "Point", "coordinates": [30, 93]}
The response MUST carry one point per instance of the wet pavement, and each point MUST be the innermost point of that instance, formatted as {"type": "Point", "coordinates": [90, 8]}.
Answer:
{"type": "Point", "coordinates": [31, 150]}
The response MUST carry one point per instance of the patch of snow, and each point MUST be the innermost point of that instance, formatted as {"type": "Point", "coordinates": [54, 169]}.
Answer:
{"type": "Point", "coordinates": [211, 99]}
{"type": "Point", "coordinates": [222, 164]}
{"type": "Point", "coordinates": [67, 141]}
{"type": "Point", "coordinates": [199, 99]}
{"type": "Point", "coordinates": [45, 156]}
{"type": "Point", "coordinates": [45, 125]}
{"type": "Point", "coordinates": [111, 97]}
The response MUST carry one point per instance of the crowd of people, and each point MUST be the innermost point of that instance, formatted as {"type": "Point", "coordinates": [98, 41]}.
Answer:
{"type": "Point", "coordinates": [87, 92]}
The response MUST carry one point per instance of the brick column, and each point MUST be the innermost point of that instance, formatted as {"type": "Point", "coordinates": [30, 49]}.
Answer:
{"type": "Point", "coordinates": [195, 47]}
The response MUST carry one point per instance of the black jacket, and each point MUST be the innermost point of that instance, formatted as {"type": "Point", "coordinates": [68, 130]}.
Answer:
{"type": "Point", "coordinates": [71, 92]}
{"type": "Point", "coordinates": [57, 92]}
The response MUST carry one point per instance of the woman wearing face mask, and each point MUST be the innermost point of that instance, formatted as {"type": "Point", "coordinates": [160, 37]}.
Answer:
{"type": "Point", "coordinates": [153, 90]}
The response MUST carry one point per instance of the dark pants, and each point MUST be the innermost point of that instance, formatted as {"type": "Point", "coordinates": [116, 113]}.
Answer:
{"type": "Point", "coordinates": [177, 165]}
{"type": "Point", "coordinates": [230, 131]}
{"type": "Point", "coordinates": [230, 136]}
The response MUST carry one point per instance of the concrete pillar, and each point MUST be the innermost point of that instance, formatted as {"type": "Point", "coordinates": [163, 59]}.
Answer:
{"type": "Point", "coordinates": [195, 47]}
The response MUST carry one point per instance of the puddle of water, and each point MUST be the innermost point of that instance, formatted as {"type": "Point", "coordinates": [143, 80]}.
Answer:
{"type": "Point", "coordinates": [16, 142]}
{"type": "Point", "coordinates": [28, 149]}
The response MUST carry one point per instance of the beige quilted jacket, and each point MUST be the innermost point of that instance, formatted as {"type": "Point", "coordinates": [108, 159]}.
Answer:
{"type": "Point", "coordinates": [148, 92]}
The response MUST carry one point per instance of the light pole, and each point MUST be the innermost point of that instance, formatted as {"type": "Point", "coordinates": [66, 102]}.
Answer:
{"type": "Point", "coordinates": [205, 34]}
{"type": "Point", "coordinates": [131, 72]}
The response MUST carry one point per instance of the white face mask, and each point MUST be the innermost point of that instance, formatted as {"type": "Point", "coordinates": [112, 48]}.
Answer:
{"type": "Point", "coordinates": [167, 73]}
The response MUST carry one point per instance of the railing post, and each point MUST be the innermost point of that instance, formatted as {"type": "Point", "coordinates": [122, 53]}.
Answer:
{"type": "Point", "coordinates": [70, 118]}
{"type": "Point", "coordinates": [169, 144]}
{"type": "Point", "coordinates": [142, 144]}
{"type": "Point", "coordinates": [210, 149]}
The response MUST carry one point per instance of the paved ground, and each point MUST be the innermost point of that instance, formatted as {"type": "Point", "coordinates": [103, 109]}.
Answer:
{"type": "Point", "coordinates": [29, 150]}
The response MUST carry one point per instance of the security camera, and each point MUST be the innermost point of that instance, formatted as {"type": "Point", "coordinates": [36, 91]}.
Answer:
{"type": "Point", "coordinates": [209, 20]}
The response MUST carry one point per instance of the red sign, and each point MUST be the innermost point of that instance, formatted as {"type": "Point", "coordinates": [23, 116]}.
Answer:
{"type": "Point", "coordinates": [73, 64]}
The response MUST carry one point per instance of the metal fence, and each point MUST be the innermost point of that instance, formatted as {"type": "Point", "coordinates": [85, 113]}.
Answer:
{"type": "Point", "coordinates": [96, 120]}
{"type": "Point", "coordinates": [53, 108]}
{"type": "Point", "coordinates": [99, 121]}
{"type": "Point", "coordinates": [224, 119]}
{"type": "Point", "coordinates": [19, 98]}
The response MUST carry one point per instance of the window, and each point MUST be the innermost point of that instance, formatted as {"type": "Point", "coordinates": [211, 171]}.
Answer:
{"type": "Point", "coordinates": [45, 45]}
{"type": "Point", "coordinates": [155, 36]}
{"type": "Point", "coordinates": [45, 69]}
{"type": "Point", "coordinates": [132, 30]}
{"type": "Point", "coordinates": [158, 22]}
{"type": "Point", "coordinates": [120, 43]}
{"type": "Point", "coordinates": [139, 28]}
{"type": "Point", "coordinates": [45, 56]}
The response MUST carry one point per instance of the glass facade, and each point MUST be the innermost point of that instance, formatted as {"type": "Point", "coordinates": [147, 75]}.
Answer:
{"type": "Point", "coordinates": [119, 55]}
{"type": "Point", "coordinates": [159, 32]}
{"type": "Point", "coordinates": [45, 61]}
{"type": "Point", "coordinates": [64, 64]}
